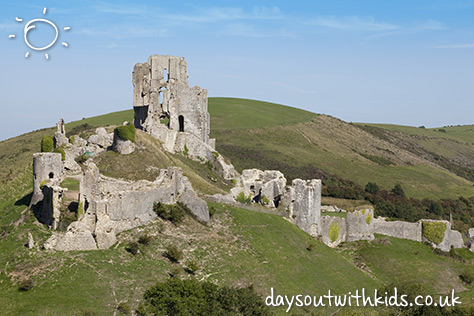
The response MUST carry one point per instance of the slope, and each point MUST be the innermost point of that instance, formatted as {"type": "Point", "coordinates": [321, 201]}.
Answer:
{"type": "Point", "coordinates": [305, 147]}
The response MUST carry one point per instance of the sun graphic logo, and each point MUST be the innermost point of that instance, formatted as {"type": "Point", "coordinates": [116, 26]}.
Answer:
{"type": "Point", "coordinates": [30, 25]}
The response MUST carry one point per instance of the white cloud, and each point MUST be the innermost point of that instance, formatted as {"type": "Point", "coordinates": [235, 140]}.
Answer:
{"type": "Point", "coordinates": [353, 23]}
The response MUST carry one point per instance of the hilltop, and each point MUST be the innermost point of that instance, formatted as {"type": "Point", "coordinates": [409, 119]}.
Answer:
{"type": "Point", "coordinates": [271, 251]}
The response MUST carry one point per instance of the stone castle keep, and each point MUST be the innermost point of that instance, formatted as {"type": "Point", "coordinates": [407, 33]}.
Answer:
{"type": "Point", "coordinates": [166, 107]}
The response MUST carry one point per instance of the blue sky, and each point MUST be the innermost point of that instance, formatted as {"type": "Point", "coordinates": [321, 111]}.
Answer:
{"type": "Point", "coordinates": [400, 62]}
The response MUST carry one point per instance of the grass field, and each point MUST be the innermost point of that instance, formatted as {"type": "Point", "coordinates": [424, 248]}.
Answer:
{"type": "Point", "coordinates": [240, 247]}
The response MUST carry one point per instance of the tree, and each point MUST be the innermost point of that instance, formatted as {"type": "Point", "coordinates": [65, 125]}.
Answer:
{"type": "Point", "coordinates": [372, 188]}
{"type": "Point", "coordinates": [398, 190]}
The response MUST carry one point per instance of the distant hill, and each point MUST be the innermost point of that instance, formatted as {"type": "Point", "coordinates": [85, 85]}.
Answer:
{"type": "Point", "coordinates": [427, 163]}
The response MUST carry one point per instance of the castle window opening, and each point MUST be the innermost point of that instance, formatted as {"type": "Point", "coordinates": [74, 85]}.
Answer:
{"type": "Point", "coordinates": [165, 75]}
{"type": "Point", "coordinates": [51, 175]}
{"type": "Point", "coordinates": [181, 123]}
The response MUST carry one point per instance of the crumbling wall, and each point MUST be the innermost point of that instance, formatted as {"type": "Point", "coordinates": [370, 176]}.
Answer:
{"type": "Point", "coordinates": [398, 229]}
{"type": "Point", "coordinates": [110, 206]}
{"type": "Point", "coordinates": [303, 200]}
{"type": "Point", "coordinates": [332, 230]}
{"type": "Point", "coordinates": [158, 99]}
{"type": "Point", "coordinates": [47, 168]}
{"type": "Point", "coordinates": [49, 213]}
{"type": "Point", "coordinates": [360, 225]}
{"type": "Point", "coordinates": [445, 244]}
{"type": "Point", "coordinates": [265, 187]}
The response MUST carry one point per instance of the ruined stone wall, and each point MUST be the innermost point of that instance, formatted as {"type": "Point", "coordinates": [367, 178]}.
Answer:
{"type": "Point", "coordinates": [398, 229]}
{"type": "Point", "coordinates": [305, 205]}
{"type": "Point", "coordinates": [332, 230]}
{"type": "Point", "coordinates": [47, 167]}
{"type": "Point", "coordinates": [445, 244]}
{"type": "Point", "coordinates": [156, 97]}
{"type": "Point", "coordinates": [111, 206]}
{"type": "Point", "coordinates": [360, 225]}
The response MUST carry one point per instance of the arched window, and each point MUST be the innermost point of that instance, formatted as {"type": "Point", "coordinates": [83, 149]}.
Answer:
{"type": "Point", "coordinates": [51, 175]}
{"type": "Point", "coordinates": [181, 123]}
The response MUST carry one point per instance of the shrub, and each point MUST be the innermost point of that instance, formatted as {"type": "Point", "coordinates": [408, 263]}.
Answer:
{"type": "Point", "coordinates": [26, 285]}
{"type": "Point", "coordinates": [124, 308]}
{"type": "Point", "coordinates": [133, 247]}
{"type": "Point", "coordinates": [334, 231]}
{"type": "Point", "coordinates": [192, 266]}
{"type": "Point", "coordinates": [144, 240]}
{"type": "Point", "coordinates": [467, 277]}
{"type": "Point", "coordinates": [47, 144]}
{"type": "Point", "coordinates": [81, 159]}
{"type": "Point", "coordinates": [125, 132]}
{"type": "Point", "coordinates": [72, 139]}
{"type": "Point", "coordinates": [372, 188]}
{"type": "Point", "coordinates": [186, 150]}
{"type": "Point", "coordinates": [175, 272]}
{"type": "Point", "coordinates": [174, 253]}
{"type": "Point", "coordinates": [241, 198]}
{"type": "Point", "coordinates": [311, 246]}
{"type": "Point", "coordinates": [61, 151]}
{"type": "Point", "coordinates": [398, 190]}
{"type": "Point", "coordinates": [434, 231]}
{"type": "Point", "coordinates": [191, 297]}
{"type": "Point", "coordinates": [172, 213]}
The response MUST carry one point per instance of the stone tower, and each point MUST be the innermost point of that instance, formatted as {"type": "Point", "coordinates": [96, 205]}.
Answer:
{"type": "Point", "coordinates": [47, 167]}
{"type": "Point", "coordinates": [162, 95]}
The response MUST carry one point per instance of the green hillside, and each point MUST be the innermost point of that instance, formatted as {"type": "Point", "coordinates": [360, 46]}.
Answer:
{"type": "Point", "coordinates": [240, 247]}
{"type": "Point", "coordinates": [314, 143]}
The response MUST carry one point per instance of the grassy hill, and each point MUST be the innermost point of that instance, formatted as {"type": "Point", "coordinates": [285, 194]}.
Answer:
{"type": "Point", "coordinates": [240, 247]}
{"type": "Point", "coordinates": [302, 147]}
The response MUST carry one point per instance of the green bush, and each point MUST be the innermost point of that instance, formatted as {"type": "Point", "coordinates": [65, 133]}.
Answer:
{"type": "Point", "coordinates": [174, 253]}
{"type": "Point", "coordinates": [47, 144]}
{"type": "Point", "coordinates": [186, 150]}
{"type": "Point", "coordinates": [144, 240]}
{"type": "Point", "coordinates": [334, 231]}
{"type": "Point", "coordinates": [133, 247]}
{"type": "Point", "coordinates": [434, 231]}
{"type": "Point", "coordinates": [125, 132]}
{"type": "Point", "coordinates": [192, 266]}
{"type": "Point", "coordinates": [372, 188]}
{"type": "Point", "coordinates": [175, 272]}
{"type": "Point", "coordinates": [26, 285]}
{"type": "Point", "coordinates": [124, 308]}
{"type": "Point", "coordinates": [172, 213]}
{"type": "Point", "coordinates": [241, 198]}
{"type": "Point", "coordinates": [467, 277]}
{"type": "Point", "coordinates": [191, 297]}
{"type": "Point", "coordinates": [72, 139]}
{"type": "Point", "coordinates": [61, 151]}
{"type": "Point", "coordinates": [81, 159]}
